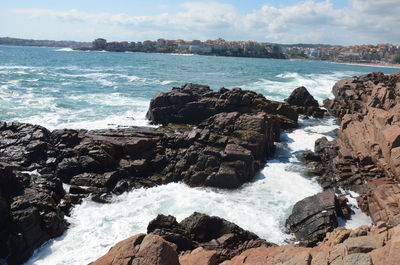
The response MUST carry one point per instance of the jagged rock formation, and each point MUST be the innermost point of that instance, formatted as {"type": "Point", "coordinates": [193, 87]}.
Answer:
{"type": "Point", "coordinates": [29, 212]}
{"type": "Point", "coordinates": [191, 104]}
{"type": "Point", "coordinates": [366, 156]}
{"type": "Point", "coordinates": [364, 159]}
{"type": "Point", "coordinates": [223, 141]}
{"type": "Point", "coordinates": [316, 215]}
{"type": "Point", "coordinates": [304, 103]}
{"type": "Point", "coordinates": [201, 239]}
{"type": "Point", "coordinates": [198, 239]}
{"type": "Point", "coordinates": [376, 245]}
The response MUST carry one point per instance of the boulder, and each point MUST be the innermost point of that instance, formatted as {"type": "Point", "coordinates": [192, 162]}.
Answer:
{"type": "Point", "coordinates": [314, 216]}
{"type": "Point", "coordinates": [224, 238]}
{"type": "Point", "coordinates": [192, 103]}
{"type": "Point", "coordinates": [304, 103]}
{"type": "Point", "coordinates": [141, 250]}
{"type": "Point", "coordinates": [199, 256]}
{"type": "Point", "coordinates": [301, 97]}
{"type": "Point", "coordinates": [25, 145]}
{"type": "Point", "coordinates": [365, 245]}
{"type": "Point", "coordinates": [29, 213]}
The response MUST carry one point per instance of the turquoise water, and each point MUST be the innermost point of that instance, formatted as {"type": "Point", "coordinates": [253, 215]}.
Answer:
{"type": "Point", "coordinates": [64, 88]}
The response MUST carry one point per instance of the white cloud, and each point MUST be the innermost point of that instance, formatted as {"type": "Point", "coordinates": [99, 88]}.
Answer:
{"type": "Point", "coordinates": [363, 21]}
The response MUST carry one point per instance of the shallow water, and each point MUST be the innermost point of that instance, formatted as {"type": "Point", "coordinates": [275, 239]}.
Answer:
{"type": "Point", "coordinates": [63, 88]}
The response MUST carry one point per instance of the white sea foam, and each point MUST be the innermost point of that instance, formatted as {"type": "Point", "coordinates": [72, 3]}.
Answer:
{"type": "Point", "coordinates": [166, 82]}
{"type": "Point", "coordinates": [132, 78]}
{"type": "Point", "coordinates": [112, 79]}
{"type": "Point", "coordinates": [319, 85]}
{"type": "Point", "coordinates": [63, 118]}
{"type": "Point", "coordinates": [261, 207]}
{"type": "Point", "coordinates": [182, 54]}
{"type": "Point", "coordinates": [65, 50]}
{"type": "Point", "coordinates": [358, 217]}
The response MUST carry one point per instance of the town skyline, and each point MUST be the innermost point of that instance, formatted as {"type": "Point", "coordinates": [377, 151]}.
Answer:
{"type": "Point", "coordinates": [338, 22]}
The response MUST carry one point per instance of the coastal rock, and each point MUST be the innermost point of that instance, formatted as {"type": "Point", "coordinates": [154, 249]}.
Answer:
{"type": "Point", "coordinates": [223, 151]}
{"type": "Point", "coordinates": [235, 131]}
{"type": "Point", "coordinates": [301, 97]}
{"type": "Point", "coordinates": [365, 245]}
{"type": "Point", "coordinates": [102, 158]}
{"type": "Point", "coordinates": [304, 103]}
{"type": "Point", "coordinates": [365, 157]}
{"type": "Point", "coordinates": [227, 136]}
{"type": "Point", "coordinates": [224, 238]}
{"type": "Point", "coordinates": [192, 103]}
{"type": "Point", "coordinates": [314, 216]}
{"type": "Point", "coordinates": [141, 250]}
{"type": "Point", "coordinates": [29, 213]}
{"type": "Point", "coordinates": [198, 239]}
{"type": "Point", "coordinates": [199, 256]}
{"type": "Point", "coordinates": [382, 201]}
{"type": "Point", "coordinates": [25, 145]}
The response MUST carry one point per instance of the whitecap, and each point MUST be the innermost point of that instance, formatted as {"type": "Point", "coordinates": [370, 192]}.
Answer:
{"type": "Point", "coordinates": [166, 82]}
{"type": "Point", "coordinates": [280, 87]}
{"type": "Point", "coordinates": [65, 50]}
{"type": "Point", "coordinates": [132, 78]}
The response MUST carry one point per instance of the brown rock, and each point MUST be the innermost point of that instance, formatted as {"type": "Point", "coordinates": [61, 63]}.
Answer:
{"type": "Point", "coordinates": [122, 253]}
{"type": "Point", "coordinates": [141, 250]}
{"type": "Point", "coordinates": [199, 256]}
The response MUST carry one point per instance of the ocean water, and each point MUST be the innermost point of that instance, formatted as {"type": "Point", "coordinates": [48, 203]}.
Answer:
{"type": "Point", "coordinates": [60, 88]}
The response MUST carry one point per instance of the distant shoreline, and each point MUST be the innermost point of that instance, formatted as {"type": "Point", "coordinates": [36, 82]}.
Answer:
{"type": "Point", "coordinates": [388, 65]}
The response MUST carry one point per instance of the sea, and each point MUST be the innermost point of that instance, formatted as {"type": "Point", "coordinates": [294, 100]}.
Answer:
{"type": "Point", "coordinates": [62, 88]}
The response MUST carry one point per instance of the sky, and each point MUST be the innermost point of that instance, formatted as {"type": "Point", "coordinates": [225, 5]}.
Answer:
{"type": "Point", "coordinates": [343, 22]}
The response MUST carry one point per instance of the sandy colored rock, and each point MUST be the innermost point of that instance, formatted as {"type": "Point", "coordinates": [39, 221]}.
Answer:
{"type": "Point", "coordinates": [122, 253]}
{"type": "Point", "coordinates": [141, 250]}
{"type": "Point", "coordinates": [199, 256]}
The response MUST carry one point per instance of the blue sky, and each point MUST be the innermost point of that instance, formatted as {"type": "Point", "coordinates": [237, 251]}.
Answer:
{"type": "Point", "coordinates": [291, 21]}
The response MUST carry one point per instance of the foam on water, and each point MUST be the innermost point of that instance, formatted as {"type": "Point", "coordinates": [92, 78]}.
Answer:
{"type": "Point", "coordinates": [261, 206]}
{"type": "Point", "coordinates": [358, 217]}
{"type": "Point", "coordinates": [279, 87]}
{"type": "Point", "coordinates": [65, 50]}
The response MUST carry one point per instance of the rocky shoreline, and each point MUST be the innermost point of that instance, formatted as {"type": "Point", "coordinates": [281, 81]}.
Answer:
{"type": "Point", "coordinates": [364, 158]}
{"type": "Point", "coordinates": [218, 139]}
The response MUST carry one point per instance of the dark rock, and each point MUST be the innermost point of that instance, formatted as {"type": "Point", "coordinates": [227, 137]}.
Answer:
{"type": "Point", "coordinates": [301, 97]}
{"type": "Point", "coordinates": [191, 104]}
{"type": "Point", "coordinates": [24, 144]}
{"type": "Point", "coordinates": [314, 216]}
{"type": "Point", "coordinates": [304, 103]}
{"type": "Point", "coordinates": [209, 232]}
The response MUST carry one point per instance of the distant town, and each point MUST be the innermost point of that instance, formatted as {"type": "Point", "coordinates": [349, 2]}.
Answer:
{"type": "Point", "coordinates": [373, 54]}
